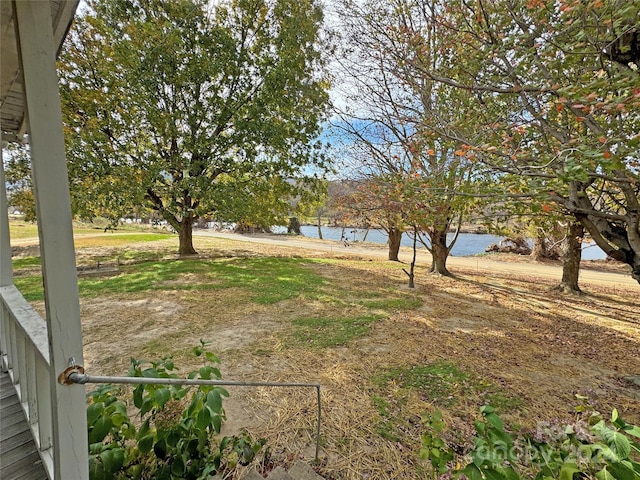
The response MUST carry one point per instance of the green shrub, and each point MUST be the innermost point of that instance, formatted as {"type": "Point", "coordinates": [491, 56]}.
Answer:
{"type": "Point", "coordinates": [588, 448]}
{"type": "Point", "coordinates": [177, 434]}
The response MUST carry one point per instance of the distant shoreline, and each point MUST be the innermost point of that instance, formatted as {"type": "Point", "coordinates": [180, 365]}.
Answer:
{"type": "Point", "coordinates": [478, 229]}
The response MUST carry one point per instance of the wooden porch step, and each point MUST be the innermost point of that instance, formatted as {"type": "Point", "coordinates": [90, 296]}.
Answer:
{"type": "Point", "coordinates": [19, 458]}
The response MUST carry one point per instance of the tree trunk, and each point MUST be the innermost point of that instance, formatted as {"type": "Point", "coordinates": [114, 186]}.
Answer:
{"type": "Point", "coordinates": [571, 256]}
{"type": "Point", "coordinates": [183, 226]}
{"type": "Point", "coordinates": [294, 226]}
{"type": "Point", "coordinates": [395, 238]}
{"type": "Point", "coordinates": [439, 253]}
{"type": "Point", "coordinates": [539, 251]}
{"type": "Point", "coordinates": [319, 226]}
{"type": "Point", "coordinates": [412, 268]}
{"type": "Point", "coordinates": [185, 234]}
{"type": "Point", "coordinates": [618, 240]}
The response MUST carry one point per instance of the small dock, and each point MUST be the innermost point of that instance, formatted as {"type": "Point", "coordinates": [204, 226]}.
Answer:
{"type": "Point", "coordinates": [19, 458]}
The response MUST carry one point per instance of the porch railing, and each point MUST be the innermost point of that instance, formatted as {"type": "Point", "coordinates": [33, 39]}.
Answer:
{"type": "Point", "coordinates": [25, 356]}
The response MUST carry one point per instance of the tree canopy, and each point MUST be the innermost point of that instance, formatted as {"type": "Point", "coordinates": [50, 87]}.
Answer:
{"type": "Point", "coordinates": [168, 104]}
{"type": "Point", "coordinates": [543, 94]}
{"type": "Point", "coordinates": [554, 97]}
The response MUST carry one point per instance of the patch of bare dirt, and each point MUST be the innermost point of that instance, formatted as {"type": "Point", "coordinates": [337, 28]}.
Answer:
{"type": "Point", "coordinates": [116, 328]}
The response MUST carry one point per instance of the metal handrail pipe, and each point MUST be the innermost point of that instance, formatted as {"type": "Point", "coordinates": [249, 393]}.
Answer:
{"type": "Point", "coordinates": [82, 379]}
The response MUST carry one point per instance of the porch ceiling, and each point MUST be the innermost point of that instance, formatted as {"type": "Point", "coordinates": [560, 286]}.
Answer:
{"type": "Point", "coordinates": [12, 106]}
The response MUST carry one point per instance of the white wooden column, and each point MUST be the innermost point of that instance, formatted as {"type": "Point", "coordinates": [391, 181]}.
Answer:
{"type": "Point", "coordinates": [6, 268]}
{"type": "Point", "coordinates": [49, 172]}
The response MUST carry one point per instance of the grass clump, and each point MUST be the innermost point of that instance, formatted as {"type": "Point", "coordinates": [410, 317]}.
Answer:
{"type": "Point", "coordinates": [26, 262]}
{"type": "Point", "coordinates": [403, 395]}
{"type": "Point", "coordinates": [30, 286]}
{"type": "Point", "coordinates": [440, 383]}
{"type": "Point", "coordinates": [326, 332]}
{"type": "Point", "coordinates": [390, 303]}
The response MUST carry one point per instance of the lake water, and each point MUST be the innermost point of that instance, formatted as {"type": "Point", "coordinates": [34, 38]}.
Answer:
{"type": "Point", "coordinates": [467, 243]}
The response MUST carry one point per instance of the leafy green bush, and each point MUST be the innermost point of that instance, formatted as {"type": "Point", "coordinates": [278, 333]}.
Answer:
{"type": "Point", "coordinates": [176, 436]}
{"type": "Point", "coordinates": [587, 448]}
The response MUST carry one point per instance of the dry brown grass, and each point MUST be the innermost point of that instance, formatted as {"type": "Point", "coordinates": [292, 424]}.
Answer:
{"type": "Point", "coordinates": [510, 332]}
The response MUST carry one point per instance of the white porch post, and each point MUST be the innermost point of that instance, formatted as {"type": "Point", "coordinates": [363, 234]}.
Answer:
{"type": "Point", "coordinates": [6, 268]}
{"type": "Point", "coordinates": [37, 59]}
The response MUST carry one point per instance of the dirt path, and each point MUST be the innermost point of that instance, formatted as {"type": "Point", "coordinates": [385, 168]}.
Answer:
{"type": "Point", "coordinates": [483, 265]}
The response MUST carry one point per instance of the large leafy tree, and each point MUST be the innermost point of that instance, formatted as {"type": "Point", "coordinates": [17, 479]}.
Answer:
{"type": "Point", "coordinates": [422, 176]}
{"type": "Point", "coordinates": [169, 104]}
{"type": "Point", "coordinates": [556, 97]}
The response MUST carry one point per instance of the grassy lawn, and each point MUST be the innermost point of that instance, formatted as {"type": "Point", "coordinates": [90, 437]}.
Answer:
{"type": "Point", "coordinates": [265, 280]}
{"type": "Point", "coordinates": [119, 239]}
{"type": "Point", "coordinates": [385, 355]}
{"type": "Point", "coordinates": [20, 230]}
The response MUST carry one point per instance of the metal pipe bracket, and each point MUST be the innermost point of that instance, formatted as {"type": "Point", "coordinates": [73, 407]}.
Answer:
{"type": "Point", "coordinates": [64, 377]}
